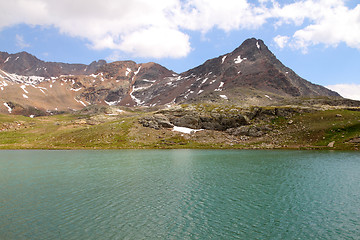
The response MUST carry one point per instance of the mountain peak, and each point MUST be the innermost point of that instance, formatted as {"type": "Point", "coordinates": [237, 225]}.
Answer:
{"type": "Point", "coordinates": [251, 66]}
{"type": "Point", "coordinates": [251, 49]}
{"type": "Point", "coordinates": [249, 75]}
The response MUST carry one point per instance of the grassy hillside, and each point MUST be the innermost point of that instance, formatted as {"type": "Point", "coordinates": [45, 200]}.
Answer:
{"type": "Point", "coordinates": [305, 130]}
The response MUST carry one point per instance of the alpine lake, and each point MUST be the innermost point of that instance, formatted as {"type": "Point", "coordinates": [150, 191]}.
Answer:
{"type": "Point", "coordinates": [179, 194]}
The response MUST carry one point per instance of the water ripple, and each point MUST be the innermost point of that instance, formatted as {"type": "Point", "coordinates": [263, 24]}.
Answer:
{"type": "Point", "coordinates": [179, 194]}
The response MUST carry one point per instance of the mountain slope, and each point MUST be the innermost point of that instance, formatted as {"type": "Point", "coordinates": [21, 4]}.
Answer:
{"type": "Point", "coordinates": [250, 75]}
{"type": "Point", "coordinates": [248, 71]}
{"type": "Point", "coordinates": [26, 64]}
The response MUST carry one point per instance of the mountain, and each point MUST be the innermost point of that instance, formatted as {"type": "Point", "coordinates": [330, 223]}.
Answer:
{"type": "Point", "coordinates": [26, 64]}
{"type": "Point", "coordinates": [250, 75]}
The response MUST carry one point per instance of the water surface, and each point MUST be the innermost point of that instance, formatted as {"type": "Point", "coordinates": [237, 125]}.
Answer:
{"type": "Point", "coordinates": [179, 194]}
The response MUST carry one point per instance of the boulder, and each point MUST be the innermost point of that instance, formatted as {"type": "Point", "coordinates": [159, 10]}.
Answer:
{"type": "Point", "coordinates": [331, 144]}
{"type": "Point", "coordinates": [189, 121]}
{"type": "Point", "coordinates": [162, 121]}
{"type": "Point", "coordinates": [157, 121]}
{"type": "Point", "coordinates": [355, 140]}
{"type": "Point", "coordinates": [251, 131]}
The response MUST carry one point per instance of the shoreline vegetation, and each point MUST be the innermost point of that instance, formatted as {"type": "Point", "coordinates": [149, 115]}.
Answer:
{"type": "Point", "coordinates": [218, 127]}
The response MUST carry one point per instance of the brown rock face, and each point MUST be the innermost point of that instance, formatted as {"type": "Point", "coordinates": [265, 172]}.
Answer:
{"type": "Point", "coordinates": [250, 74]}
{"type": "Point", "coordinates": [26, 64]}
{"type": "Point", "coordinates": [251, 68]}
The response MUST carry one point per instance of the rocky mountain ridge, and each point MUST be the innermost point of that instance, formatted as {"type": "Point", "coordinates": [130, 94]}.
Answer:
{"type": "Point", "coordinates": [250, 75]}
{"type": "Point", "coordinates": [25, 64]}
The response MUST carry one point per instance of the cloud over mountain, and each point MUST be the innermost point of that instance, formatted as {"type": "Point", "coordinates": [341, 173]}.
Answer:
{"type": "Point", "coordinates": [158, 28]}
{"type": "Point", "coordinates": [351, 91]}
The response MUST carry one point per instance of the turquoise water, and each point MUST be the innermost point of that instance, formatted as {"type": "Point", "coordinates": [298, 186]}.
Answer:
{"type": "Point", "coordinates": [179, 194]}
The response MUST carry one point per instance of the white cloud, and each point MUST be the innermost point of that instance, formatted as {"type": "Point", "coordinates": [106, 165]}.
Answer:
{"type": "Point", "coordinates": [115, 56]}
{"type": "Point", "coordinates": [330, 23]}
{"type": "Point", "coordinates": [351, 91]}
{"type": "Point", "coordinates": [148, 42]}
{"type": "Point", "coordinates": [281, 41]}
{"type": "Point", "coordinates": [227, 15]}
{"type": "Point", "coordinates": [107, 24]}
{"type": "Point", "coordinates": [20, 42]}
{"type": "Point", "coordinates": [158, 28]}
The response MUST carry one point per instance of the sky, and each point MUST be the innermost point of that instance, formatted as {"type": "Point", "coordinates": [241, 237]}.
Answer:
{"type": "Point", "coordinates": [318, 39]}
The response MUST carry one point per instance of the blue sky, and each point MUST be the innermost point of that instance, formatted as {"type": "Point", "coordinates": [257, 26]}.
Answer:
{"type": "Point", "coordinates": [318, 39]}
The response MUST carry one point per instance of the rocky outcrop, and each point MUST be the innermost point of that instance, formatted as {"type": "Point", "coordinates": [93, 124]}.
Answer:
{"type": "Point", "coordinates": [195, 120]}
{"type": "Point", "coordinates": [157, 121]}
{"type": "Point", "coordinates": [206, 120]}
{"type": "Point", "coordinates": [355, 140]}
{"type": "Point", "coordinates": [254, 122]}
{"type": "Point", "coordinates": [271, 112]}
{"type": "Point", "coordinates": [18, 109]}
{"type": "Point", "coordinates": [251, 131]}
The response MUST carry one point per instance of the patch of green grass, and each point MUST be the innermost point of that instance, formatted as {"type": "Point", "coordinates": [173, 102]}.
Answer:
{"type": "Point", "coordinates": [322, 127]}
{"type": "Point", "coordinates": [307, 130]}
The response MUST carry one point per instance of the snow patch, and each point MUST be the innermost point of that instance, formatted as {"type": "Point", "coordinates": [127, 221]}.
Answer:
{"type": "Point", "coordinates": [204, 81]}
{"type": "Point", "coordinates": [200, 91]}
{"type": "Point", "coordinates": [111, 103]}
{"type": "Point", "coordinates": [187, 93]}
{"type": "Point", "coordinates": [93, 75]}
{"type": "Point", "coordinates": [8, 107]}
{"type": "Point", "coordinates": [3, 84]}
{"type": "Point", "coordinates": [220, 88]}
{"type": "Point", "coordinates": [80, 102]}
{"type": "Point", "coordinates": [25, 96]}
{"type": "Point", "coordinates": [258, 45]}
{"type": "Point", "coordinates": [7, 59]}
{"type": "Point", "coordinates": [239, 59]}
{"type": "Point", "coordinates": [179, 78]}
{"type": "Point", "coordinates": [137, 71]}
{"type": "Point", "coordinates": [32, 116]}
{"type": "Point", "coordinates": [268, 97]}
{"type": "Point", "coordinates": [224, 97]}
{"type": "Point", "coordinates": [23, 88]}
{"type": "Point", "coordinates": [39, 87]}
{"type": "Point", "coordinates": [213, 81]}
{"type": "Point", "coordinates": [138, 101]}
{"type": "Point", "coordinates": [128, 70]}
{"type": "Point", "coordinates": [185, 130]}
{"type": "Point", "coordinates": [32, 80]}
{"type": "Point", "coordinates": [75, 90]}
{"type": "Point", "coordinates": [223, 59]}
{"type": "Point", "coordinates": [146, 80]}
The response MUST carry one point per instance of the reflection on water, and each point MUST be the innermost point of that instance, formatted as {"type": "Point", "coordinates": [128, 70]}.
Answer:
{"type": "Point", "coordinates": [179, 194]}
